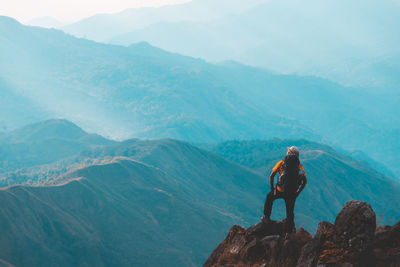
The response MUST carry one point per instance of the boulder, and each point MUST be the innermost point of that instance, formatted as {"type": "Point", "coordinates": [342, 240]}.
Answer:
{"type": "Point", "coordinates": [351, 239]}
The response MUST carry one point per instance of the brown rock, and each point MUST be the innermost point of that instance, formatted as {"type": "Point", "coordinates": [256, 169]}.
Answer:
{"type": "Point", "coordinates": [325, 228]}
{"type": "Point", "coordinates": [310, 252]}
{"type": "Point", "coordinates": [231, 238]}
{"type": "Point", "coordinates": [387, 245]}
{"type": "Point", "coordinates": [354, 229]}
{"type": "Point", "coordinates": [263, 243]}
{"type": "Point", "coordinates": [353, 241]}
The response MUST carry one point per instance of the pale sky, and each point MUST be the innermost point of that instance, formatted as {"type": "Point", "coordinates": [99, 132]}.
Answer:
{"type": "Point", "coordinates": [71, 10]}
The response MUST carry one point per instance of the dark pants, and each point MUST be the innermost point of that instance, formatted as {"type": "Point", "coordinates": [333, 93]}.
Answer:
{"type": "Point", "coordinates": [290, 199]}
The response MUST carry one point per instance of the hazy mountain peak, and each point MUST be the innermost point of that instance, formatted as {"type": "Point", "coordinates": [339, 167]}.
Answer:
{"type": "Point", "coordinates": [8, 21]}
{"type": "Point", "coordinates": [52, 128]}
{"type": "Point", "coordinates": [142, 44]}
{"type": "Point", "coordinates": [146, 48]}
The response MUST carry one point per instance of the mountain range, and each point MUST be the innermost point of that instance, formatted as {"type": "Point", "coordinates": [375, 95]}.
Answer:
{"type": "Point", "coordinates": [145, 92]}
{"type": "Point", "coordinates": [158, 202]}
{"type": "Point", "coordinates": [101, 27]}
{"type": "Point", "coordinates": [351, 43]}
{"type": "Point", "coordinates": [122, 212]}
{"type": "Point", "coordinates": [139, 91]}
{"type": "Point", "coordinates": [115, 152]}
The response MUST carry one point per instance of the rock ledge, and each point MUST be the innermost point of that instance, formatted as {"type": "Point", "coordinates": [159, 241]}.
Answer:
{"type": "Point", "coordinates": [353, 240]}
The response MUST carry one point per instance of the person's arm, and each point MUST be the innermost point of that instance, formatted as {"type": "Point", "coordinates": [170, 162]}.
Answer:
{"type": "Point", "coordinates": [303, 184]}
{"type": "Point", "coordinates": [273, 173]}
{"type": "Point", "coordinates": [271, 179]}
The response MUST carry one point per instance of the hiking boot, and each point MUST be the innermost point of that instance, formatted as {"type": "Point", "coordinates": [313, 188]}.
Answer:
{"type": "Point", "coordinates": [265, 219]}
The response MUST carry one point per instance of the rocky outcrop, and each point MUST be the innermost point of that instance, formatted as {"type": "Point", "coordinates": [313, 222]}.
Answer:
{"type": "Point", "coordinates": [350, 240]}
{"type": "Point", "coordinates": [387, 245]}
{"type": "Point", "coordinates": [263, 243]}
{"type": "Point", "coordinates": [353, 240]}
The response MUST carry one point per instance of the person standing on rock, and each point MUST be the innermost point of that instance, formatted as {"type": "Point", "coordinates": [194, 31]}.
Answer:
{"type": "Point", "coordinates": [292, 180]}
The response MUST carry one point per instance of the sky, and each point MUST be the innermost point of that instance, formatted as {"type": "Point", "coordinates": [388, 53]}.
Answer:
{"type": "Point", "coordinates": [71, 10]}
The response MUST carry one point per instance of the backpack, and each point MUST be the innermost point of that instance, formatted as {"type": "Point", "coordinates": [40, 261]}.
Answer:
{"type": "Point", "coordinates": [289, 180]}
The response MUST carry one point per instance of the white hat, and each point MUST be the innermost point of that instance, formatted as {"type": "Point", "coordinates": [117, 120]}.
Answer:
{"type": "Point", "coordinates": [293, 150]}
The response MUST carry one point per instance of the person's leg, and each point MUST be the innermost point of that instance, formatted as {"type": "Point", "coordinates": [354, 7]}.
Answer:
{"type": "Point", "coordinates": [269, 201]}
{"type": "Point", "coordinates": [290, 200]}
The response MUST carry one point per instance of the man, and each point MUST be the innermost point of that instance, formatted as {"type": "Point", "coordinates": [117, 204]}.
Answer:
{"type": "Point", "coordinates": [291, 177]}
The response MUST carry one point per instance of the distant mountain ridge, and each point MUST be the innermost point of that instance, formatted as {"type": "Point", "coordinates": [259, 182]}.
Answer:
{"type": "Point", "coordinates": [140, 90]}
{"type": "Point", "coordinates": [354, 43]}
{"type": "Point", "coordinates": [42, 143]}
{"type": "Point", "coordinates": [45, 130]}
{"type": "Point", "coordinates": [101, 26]}
{"type": "Point", "coordinates": [145, 92]}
